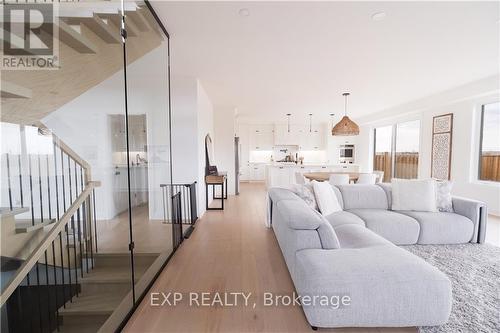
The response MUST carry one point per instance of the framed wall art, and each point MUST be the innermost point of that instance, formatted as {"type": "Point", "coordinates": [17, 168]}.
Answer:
{"type": "Point", "coordinates": [442, 134]}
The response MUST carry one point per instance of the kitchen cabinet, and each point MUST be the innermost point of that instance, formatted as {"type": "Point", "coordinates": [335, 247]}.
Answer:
{"type": "Point", "coordinates": [257, 172]}
{"type": "Point", "coordinates": [312, 140]}
{"type": "Point", "coordinates": [261, 137]}
{"type": "Point", "coordinates": [283, 137]}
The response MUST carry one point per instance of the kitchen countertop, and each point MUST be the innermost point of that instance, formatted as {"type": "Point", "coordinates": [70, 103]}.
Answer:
{"type": "Point", "coordinates": [291, 164]}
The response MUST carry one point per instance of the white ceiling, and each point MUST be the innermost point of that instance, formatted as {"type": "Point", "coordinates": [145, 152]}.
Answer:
{"type": "Point", "coordinates": [298, 57]}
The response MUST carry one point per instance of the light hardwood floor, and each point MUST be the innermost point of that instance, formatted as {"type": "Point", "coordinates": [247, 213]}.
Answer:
{"type": "Point", "coordinates": [231, 251]}
{"type": "Point", "coordinates": [150, 236]}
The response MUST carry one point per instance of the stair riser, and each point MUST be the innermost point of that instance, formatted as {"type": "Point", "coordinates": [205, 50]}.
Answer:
{"type": "Point", "coordinates": [83, 320]}
{"type": "Point", "coordinates": [123, 261]}
{"type": "Point", "coordinates": [97, 288]}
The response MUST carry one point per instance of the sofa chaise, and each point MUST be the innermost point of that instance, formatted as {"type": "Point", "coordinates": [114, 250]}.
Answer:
{"type": "Point", "coordinates": [353, 253]}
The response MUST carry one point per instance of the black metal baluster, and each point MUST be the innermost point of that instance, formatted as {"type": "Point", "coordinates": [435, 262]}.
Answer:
{"type": "Point", "coordinates": [66, 228]}
{"type": "Point", "coordinates": [39, 297]}
{"type": "Point", "coordinates": [84, 219]}
{"type": "Point", "coordinates": [31, 192]}
{"type": "Point", "coordinates": [55, 283]}
{"type": "Point", "coordinates": [30, 305]}
{"type": "Point", "coordinates": [47, 286]}
{"type": "Point", "coordinates": [78, 221]}
{"type": "Point", "coordinates": [20, 180]}
{"type": "Point", "coordinates": [89, 215]}
{"type": "Point", "coordinates": [72, 224]}
{"type": "Point", "coordinates": [95, 220]}
{"type": "Point", "coordinates": [48, 187]}
{"type": "Point", "coordinates": [8, 180]}
{"type": "Point", "coordinates": [56, 181]}
{"type": "Point", "coordinates": [62, 270]}
{"type": "Point", "coordinates": [40, 188]}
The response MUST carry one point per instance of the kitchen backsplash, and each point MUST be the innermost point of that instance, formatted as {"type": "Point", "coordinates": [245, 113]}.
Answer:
{"type": "Point", "coordinates": [280, 152]}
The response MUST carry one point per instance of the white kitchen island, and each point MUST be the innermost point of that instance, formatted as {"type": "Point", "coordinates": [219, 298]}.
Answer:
{"type": "Point", "coordinates": [283, 174]}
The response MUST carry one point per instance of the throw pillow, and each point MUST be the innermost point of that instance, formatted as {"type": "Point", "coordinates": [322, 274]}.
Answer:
{"type": "Point", "coordinates": [326, 198]}
{"type": "Point", "coordinates": [414, 194]}
{"type": "Point", "coordinates": [444, 202]}
{"type": "Point", "coordinates": [306, 193]}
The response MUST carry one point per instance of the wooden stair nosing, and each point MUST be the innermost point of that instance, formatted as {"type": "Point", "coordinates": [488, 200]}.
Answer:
{"type": "Point", "coordinates": [6, 211]}
{"type": "Point", "coordinates": [75, 40]}
{"type": "Point", "coordinates": [106, 32]}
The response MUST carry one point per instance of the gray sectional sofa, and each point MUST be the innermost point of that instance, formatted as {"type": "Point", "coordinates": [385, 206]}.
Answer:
{"type": "Point", "coordinates": [353, 253]}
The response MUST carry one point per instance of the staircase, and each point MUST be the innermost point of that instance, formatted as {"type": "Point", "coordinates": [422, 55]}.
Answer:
{"type": "Point", "coordinates": [53, 277]}
{"type": "Point", "coordinates": [90, 50]}
{"type": "Point", "coordinates": [102, 290]}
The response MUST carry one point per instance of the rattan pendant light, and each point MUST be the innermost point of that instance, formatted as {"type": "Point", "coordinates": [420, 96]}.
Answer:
{"type": "Point", "coordinates": [345, 126]}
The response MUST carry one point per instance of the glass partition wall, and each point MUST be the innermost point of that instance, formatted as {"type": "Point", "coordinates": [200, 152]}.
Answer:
{"type": "Point", "coordinates": [85, 158]}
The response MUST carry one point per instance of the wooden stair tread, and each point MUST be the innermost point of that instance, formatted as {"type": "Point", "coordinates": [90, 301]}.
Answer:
{"type": "Point", "coordinates": [92, 304]}
{"type": "Point", "coordinates": [112, 274]}
{"type": "Point", "coordinates": [6, 211]}
{"type": "Point", "coordinates": [26, 225]}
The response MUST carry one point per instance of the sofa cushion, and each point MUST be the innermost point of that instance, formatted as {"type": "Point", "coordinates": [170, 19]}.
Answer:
{"type": "Point", "coordinates": [298, 215]}
{"type": "Point", "coordinates": [387, 286]}
{"type": "Point", "coordinates": [355, 236]}
{"type": "Point", "coordinates": [326, 198]}
{"type": "Point", "coordinates": [328, 236]}
{"type": "Point", "coordinates": [342, 217]}
{"type": "Point", "coordinates": [414, 194]}
{"type": "Point", "coordinates": [442, 227]}
{"type": "Point", "coordinates": [397, 228]}
{"type": "Point", "coordinates": [363, 196]}
{"type": "Point", "coordinates": [277, 194]}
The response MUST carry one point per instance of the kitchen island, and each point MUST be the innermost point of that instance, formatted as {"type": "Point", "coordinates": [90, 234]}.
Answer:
{"type": "Point", "coordinates": [283, 174]}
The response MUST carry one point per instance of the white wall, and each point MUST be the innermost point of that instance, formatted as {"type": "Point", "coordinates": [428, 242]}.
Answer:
{"type": "Point", "coordinates": [224, 131]}
{"type": "Point", "coordinates": [205, 126]}
{"type": "Point", "coordinates": [192, 120]}
{"type": "Point", "coordinates": [465, 104]}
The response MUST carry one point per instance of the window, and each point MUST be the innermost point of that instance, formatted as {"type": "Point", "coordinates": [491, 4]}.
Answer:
{"type": "Point", "coordinates": [397, 150]}
{"type": "Point", "coordinates": [407, 144]}
{"type": "Point", "coordinates": [383, 148]}
{"type": "Point", "coordinates": [489, 159]}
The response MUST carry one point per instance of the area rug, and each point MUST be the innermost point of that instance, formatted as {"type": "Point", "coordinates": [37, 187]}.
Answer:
{"type": "Point", "coordinates": [474, 271]}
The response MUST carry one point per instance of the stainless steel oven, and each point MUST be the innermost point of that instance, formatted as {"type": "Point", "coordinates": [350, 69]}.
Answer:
{"type": "Point", "coordinates": [346, 153]}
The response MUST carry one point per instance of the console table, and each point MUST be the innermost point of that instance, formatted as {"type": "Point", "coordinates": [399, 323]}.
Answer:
{"type": "Point", "coordinates": [220, 179]}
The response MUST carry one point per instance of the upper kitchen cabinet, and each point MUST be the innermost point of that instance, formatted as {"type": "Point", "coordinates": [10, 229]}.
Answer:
{"type": "Point", "coordinates": [261, 137]}
{"type": "Point", "coordinates": [283, 136]}
{"type": "Point", "coordinates": [313, 138]}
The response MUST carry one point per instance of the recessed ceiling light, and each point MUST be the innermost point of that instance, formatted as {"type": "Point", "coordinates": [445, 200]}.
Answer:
{"type": "Point", "coordinates": [244, 12]}
{"type": "Point", "coordinates": [379, 16]}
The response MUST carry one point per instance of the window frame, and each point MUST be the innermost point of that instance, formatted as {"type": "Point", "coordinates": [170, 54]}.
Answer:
{"type": "Point", "coordinates": [479, 154]}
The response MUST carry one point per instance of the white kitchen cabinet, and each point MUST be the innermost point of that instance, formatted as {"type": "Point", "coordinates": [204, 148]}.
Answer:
{"type": "Point", "coordinates": [261, 137]}
{"type": "Point", "coordinates": [314, 139]}
{"type": "Point", "coordinates": [257, 172]}
{"type": "Point", "coordinates": [245, 173]}
{"type": "Point", "coordinates": [283, 137]}
{"type": "Point", "coordinates": [279, 176]}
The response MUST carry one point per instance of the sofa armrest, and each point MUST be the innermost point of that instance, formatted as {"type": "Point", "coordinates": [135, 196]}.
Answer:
{"type": "Point", "coordinates": [477, 212]}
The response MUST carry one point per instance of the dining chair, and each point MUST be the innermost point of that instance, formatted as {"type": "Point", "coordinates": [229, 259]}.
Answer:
{"type": "Point", "coordinates": [299, 178]}
{"type": "Point", "coordinates": [380, 176]}
{"type": "Point", "coordinates": [339, 179]}
{"type": "Point", "coordinates": [367, 178]}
